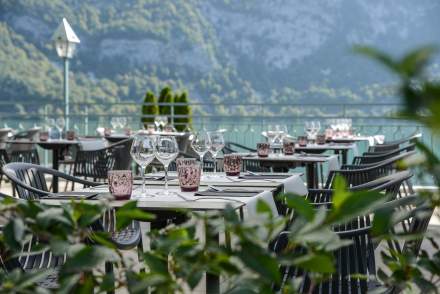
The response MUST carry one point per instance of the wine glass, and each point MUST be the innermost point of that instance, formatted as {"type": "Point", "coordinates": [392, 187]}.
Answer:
{"type": "Point", "coordinates": [122, 122]}
{"type": "Point", "coordinates": [166, 151]}
{"type": "Point", "coordinates": [143, 151]}
{"type": "Point", "coordinates": [114, 121]}
{"type": "Point", "coordinates": [216, 144]}
{"type": "Point", "coordinates": [60, 123]}
{"type": "Point", "coordinates": [200, 144]}
{"type": "Point", "coordinates": [308, 128]}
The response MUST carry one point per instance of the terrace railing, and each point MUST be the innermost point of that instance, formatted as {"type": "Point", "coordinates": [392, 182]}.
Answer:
{"type": "Point", "coordinates": [244, 121]}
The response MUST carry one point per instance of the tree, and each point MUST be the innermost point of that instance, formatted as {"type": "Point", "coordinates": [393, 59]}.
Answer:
{"type": "Point", "coordinates": [183, 109]}
{"type": "Point", "coordinates": [166, 97]}
{"type": "Point", "coordinates": [149, 108]}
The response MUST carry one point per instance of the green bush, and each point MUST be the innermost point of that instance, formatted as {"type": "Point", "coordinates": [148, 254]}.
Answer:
{"type": "Point", "coordinates": [149, 108]}
{"type": "Point", "coordinates": [166, 96]}
{"type": "Point", "coordinates": [182, 123]}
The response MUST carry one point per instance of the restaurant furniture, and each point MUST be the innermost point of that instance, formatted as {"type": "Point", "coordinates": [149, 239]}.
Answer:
{"type": "Point", "coordinates": [96, 163]}
{"type": "Point", "coordinates": [358, 174]}
{"type": "Point", "coordinates": [353, 261]}
{"type": "Point", "coordinates": [29, 180]}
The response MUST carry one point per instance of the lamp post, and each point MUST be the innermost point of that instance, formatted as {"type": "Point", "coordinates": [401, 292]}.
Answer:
{"type": "Point", "coordinates": [65, 43]}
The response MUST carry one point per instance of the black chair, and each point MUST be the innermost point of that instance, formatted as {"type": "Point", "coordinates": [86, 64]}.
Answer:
{"type": "Point", "coordinates": [231, 147]}
{"type": "Point", "coordinates": [19, 152]}
{"type": "Point", "coordinates": [390, 185]}
{"type": "Point", "coordinates": [359, 174]}
{"type": "Point", "coordinates": [29, 181]}
{"type": "Point", "coordinates": [95, 164]}
{"type": "Point", "coordinates": [355, 258]}
{"type": "Point", "coordinates": [29, 261]}
{"type": "Point", "coordinates": [372, 157]}
{"type": "Point", "coordinates": [394, 145]}
{"type": "Point", "coordinates": [4, 159]}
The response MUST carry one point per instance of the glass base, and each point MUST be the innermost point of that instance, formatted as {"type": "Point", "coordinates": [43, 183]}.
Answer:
{"type": "Point", "coordinates": [232, 174]}
{"type": "Point", "coordinates": [189, 189]}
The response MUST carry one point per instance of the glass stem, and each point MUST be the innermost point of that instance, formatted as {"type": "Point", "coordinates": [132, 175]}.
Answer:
{"type": "Point", "coordinates": [166, 179]}
{"type": "Point", "coordinates": [201, 165]}
{"type": "Point", "coordinates": [215, 163]}
{"type": "Point", "coordinates": [143, 180]}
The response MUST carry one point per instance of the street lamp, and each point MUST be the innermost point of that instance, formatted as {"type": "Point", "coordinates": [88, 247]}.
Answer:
{"type": "Point", "coordinates": [65, 43]}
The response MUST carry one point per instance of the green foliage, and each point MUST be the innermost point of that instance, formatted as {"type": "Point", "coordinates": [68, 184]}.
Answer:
{"type": "Point", "coordinates": [182, 108]}
{"type": "Point", "coordinates": [149, 108]}
{"type": "Point", "coordinates": [166, 98]}
{"type": "Point", "coordinates": [421, 97]}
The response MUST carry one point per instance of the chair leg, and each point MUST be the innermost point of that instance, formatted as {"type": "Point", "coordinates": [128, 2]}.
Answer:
{"type": "Point", "coordinates": [140, 250]}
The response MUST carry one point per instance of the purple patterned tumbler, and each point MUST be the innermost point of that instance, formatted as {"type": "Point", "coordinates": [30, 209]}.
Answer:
{"type": "Point", "coordinates": [188, 172]}
{"type": "Point", "coordinates": [120, 183]}
{"type": "Point", "coordinates": [232, 164]}
{"type": "Point", "coordinates": [263, 149]}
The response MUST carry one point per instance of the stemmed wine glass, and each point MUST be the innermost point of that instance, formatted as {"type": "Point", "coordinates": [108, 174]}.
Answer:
{"type": "Point", "coordinates": [216, 143]}
{"type": "Point", "coordinates": [143, 151]}
{"type": "Point", "coordinates": [60, 123]}
{"type": "Point", "coordinates": [200, 144]}
{"type": "Point", "coordinates": [166, 151]}
{"type": "Point", "coordinates": [114, 121]}
{"type": "Point", "coordinates": [122, 122]}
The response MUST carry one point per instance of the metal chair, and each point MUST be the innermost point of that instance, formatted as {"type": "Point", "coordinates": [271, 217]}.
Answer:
{"type": "Point", "coordinates": [359, 174]}
{"type": "Point", "coordinates": [29, 181]}
{"type": "Point", "coordinates": [390, 185]}
{"type": "Point", "coordinates": [4, 159]}
{"type": "Point", "coordinates": [356, 258]}
{"type": "Point", "coordinates": [394, 145]}
{"type": "Point", "coordinates": [29, 261]}
{"type": "Point", "coordinates": [96, 163]}
{"type": "Point", "coordinates": [373, 157]}
{"type": "Point", "coordinates": [231, 147]}
{"type": "Point", "coordinates": [24, 152]}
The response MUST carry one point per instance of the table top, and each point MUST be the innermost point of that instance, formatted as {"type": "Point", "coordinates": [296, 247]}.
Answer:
{"type": "Point", "coordinates": [220, 179]}
{"type": "Point", "coordinates": [48, 142]}
{"type": "Point", "coordinates": [305, 158]}
{"type": "Point", "coordinates": [261, 189]}
{"type": "Point", "coordinates": [327, 146]}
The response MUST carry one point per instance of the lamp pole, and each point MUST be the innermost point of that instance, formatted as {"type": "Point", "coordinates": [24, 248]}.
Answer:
{"type": "Point", "coordinates": [66, 92]}
{"type": "Point", "coordinates": [65, 43]}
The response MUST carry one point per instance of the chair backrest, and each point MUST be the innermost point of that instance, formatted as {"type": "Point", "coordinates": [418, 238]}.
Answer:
{"type": "Point", "coordinates": [96, 163]}
{"type": "Point", "coordinates": [390, 184]}
{"type": "Point", "coordinates": [414, 222]}
{"type": "Point", "coordinates": [4, 158]}
{"type": "Point", "coordinates": [368, 173]}
{"type": "Point", "coordinates": [28, 156]}
{"type": "Point", "coordinates": [29, 180]}
{"type": "Point", "coordinates": [24, 177]}
{"type": "Point", "coordinates": [87, 144]}
{"type": "Point", "coordinates": [394, 145]}
{"type": "Point", "coordinates": [369, 157]}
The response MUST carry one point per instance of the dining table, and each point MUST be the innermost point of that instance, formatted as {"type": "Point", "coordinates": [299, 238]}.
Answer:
{"type": "Point", "coordinates": [57, 146]}
{"type": "Point", "coordinates": [279, 161]}
{"type": "Point", "coordinates": [339, 148]}
{"type": "Point", "coordinates": [216, 192]}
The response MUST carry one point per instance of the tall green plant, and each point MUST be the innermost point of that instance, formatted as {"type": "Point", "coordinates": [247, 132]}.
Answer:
{"type": "Point", "coordinates": [149, 108]}
{"type": "Point", "coordinates": [166, 97]}
{"type": "Point", "coordinates": [183, 109]}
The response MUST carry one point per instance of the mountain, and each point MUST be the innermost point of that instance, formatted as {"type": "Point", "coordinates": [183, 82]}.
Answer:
{"type": "Point", "coordinates": [221, 51]}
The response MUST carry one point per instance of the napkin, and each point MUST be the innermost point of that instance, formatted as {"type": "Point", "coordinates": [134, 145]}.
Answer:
{"type": "Point", "coordinates": [228, 193]}
{"type": "Point", "coordinates": [295, 185]}
{"type": "Point", "coordinates": [262, 176]}
{"type": "Point", "coordinates": [251, 206]}
{"type": "Point", "coordinates": [333, 163]}
{"type": "Point", "coordinates": [71, 195]}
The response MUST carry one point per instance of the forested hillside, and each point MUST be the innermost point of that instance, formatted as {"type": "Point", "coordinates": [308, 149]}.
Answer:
{"type": "Point", "coordinates": [219, 50]}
